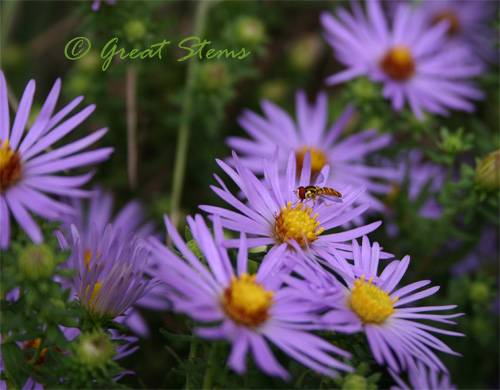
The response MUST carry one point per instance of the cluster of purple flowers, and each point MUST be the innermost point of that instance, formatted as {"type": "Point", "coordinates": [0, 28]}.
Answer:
{"type": "Point", "coordinates": [304, 189]}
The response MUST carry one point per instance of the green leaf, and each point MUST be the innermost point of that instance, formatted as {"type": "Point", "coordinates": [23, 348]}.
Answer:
{"type": "Point", "coordinates": [187, 233]}
{"type": "Point", "coordinates": [175, 337]}
{"type": "Point", "coordinates": [15, 365]}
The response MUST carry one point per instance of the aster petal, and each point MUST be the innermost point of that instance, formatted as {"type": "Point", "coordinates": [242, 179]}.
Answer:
{"type": "Point", "coordinates": [39, 203]}
{"type": "Point", "coordinates": [23, 218]}
{"type": "Point", "coordinates": [4, 109]}
{"type": "Point", "coordinates": [410, 288]}
{"type": "Point", "coordinates": [242, 259]}
{"type": "Point", "coordinates": [417, 296]}
{"type": "Point", "coordinates": [334, 131]}
{"type": "Point", "coordinates": [238, 356]}
{"type": "Point", "coordinates": [78, 160]}
{"type": "Point", "coordinates": [43, 118]}
{"type": "Point", "coordinates": [67, 149]}
{"type": "Point", "coordinates": [345, 75]}
{"type": "Point", "coordinates": [264, 358]}
{"type": "Point", "coordinates": [392, 280]}
{"type": "Point", "coordinates": [22, 115]}
{"type": "Point", "coordinates": [350, 234]}
{"type": "Point", "coordinates": [4, 222]}
{"type": "Point", "coordinates": [59, 132]}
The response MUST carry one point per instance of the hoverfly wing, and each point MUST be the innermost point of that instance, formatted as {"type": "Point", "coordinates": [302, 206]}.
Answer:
{"type": "Point", "coordinates": [331, 194]}
{"type": "Point", "coordinates": [318, 177]}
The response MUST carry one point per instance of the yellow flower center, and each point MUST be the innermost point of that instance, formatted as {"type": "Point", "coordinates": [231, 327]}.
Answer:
{"type": "Point", "coordinates": [10, 165]}
{"type": "Point", "coordinates": [398, 63]}
{"type": "Point", "coordinates": [95, 290]}
{"type": "Point", "coordinates": [246, 301]}
{"type": "Point", "coordinates": [318, 159]}
{"type": "Point", "coordinates": [451, 18]}
{"type": "Point", "coordinates": [97, 286]}
{"type": "Point", "coordinates": [371, 304]}
{"type": "Point", "coordinates": [296, 223]}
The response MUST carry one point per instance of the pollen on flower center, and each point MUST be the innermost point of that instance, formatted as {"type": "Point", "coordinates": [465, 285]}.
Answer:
{"type": "Point", "coordinates": [318, 159]}
{"type": "Point", "coordinates": [296, 223]}
{"type": "Point", "coordinates": [10, 165]}
{"type": "Point", "coordinates": [451, 18]}
{"type": "Point", "coordinates": [246, 301]}
{"type": "Point", "coordinates": [398, 63]}
{"type": "Point", "coordinates": [371, 304]}
{"type": "Point", "coordinates": [95, 290]}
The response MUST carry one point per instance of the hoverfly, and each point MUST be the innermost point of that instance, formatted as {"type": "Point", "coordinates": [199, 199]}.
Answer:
{"type": "Point", "coordinates": [317, 193]}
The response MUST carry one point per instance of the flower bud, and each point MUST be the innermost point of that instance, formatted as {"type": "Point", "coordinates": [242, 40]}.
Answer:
{"type": "Point", "coordinates": [37, 262]}
{"type": "Point", "coordinates": [90, 63]}
{"type": "Point", "coordinates": [274, 90]}
{"type": "Point", "coordinates": [249, 31]}
{"type": "Point", "coordinates": [354, 382]}
{"type": "Point", "coordinates": [214, 76]}
{"type": "Point", "coordinates": [79, 84]}
{"type": "Point", "coordinates": [14, 56]}
{"type": "Point", "coordinates": [94, 349]}
{"type": "Point", "coordinates": [488, 171]}
{"type": "Point", "coordinates": [478, 292]}
{"type": "Point", "coordinates": [134, 30]}
{"type": "Point", "coordinates": [305, 52]}
{"type": "Point", "coordinates": [364, 89]}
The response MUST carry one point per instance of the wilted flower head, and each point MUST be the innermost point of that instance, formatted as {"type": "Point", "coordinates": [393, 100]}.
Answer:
{"type": "Point", "coordinates": [27, 170]}
{"type": "Point", "coordinates": [410, 58]}
{"type": "Point", "coordinates": [346, 155]}
{"type": "Point", "coordinates": [250, 310]}
{"type": "Point", "coordinates": [109, 275]}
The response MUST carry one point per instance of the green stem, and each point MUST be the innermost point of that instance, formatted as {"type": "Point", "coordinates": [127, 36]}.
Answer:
{"type": "Point", "coordinates": [7, 15]}
{"type": "Point", "coordinates": [38, 351]}
{"type": "Point", "coordinates": [132, 158]}
{"type": "Point", "coordinates": [192, 355]}
{"type": "Point", "coordinates": [3, 296]}
{"type": "Point", "coordinates": [209, 374]}
{"type": "Point", "coordinates": [184, 127]}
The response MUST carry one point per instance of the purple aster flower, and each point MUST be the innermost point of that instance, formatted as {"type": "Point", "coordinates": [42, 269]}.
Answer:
{"type": "Point", "coordinates": [421, 178]}
{"type": "Point", "coordinates": [27, 170]}
{"type": "Point", "coordinates": [422, 379]}
{"type": "Point", "coordinates": [250, 308]}
{"type": "Point", "coordinates": [97, 4]}
{"type": "Point", "coordinates": [346, 157]}
{"type": "Point", "coordinates": [109, 276]}
{"type": "Point", "coordinates": [410, 58]}
{"type": "Point", "coordinates": [469, 25]}
{"type": "Point", "coordinates": [394, 335]}
{"type": "Point", "coordinates": [130, 219]}
{"type": "Point", "coordinates": [274, 215]}
{"type": "Point", "coordinates": [483, 254]}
